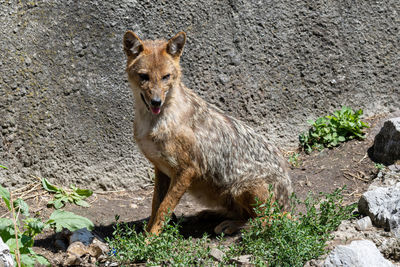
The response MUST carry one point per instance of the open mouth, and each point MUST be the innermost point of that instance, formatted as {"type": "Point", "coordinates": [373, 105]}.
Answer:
{"type": "Point", "coordinates": [154, 110]}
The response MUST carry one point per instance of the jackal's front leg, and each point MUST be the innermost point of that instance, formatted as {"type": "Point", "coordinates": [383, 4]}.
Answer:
{"type": "Point", "coordinates": [178, 186]}
{"type": "Point", "coordinates": [161, 185]}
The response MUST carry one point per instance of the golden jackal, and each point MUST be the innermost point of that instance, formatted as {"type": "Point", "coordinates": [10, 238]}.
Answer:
{"type": "Point", "coordinates": [193, 146]}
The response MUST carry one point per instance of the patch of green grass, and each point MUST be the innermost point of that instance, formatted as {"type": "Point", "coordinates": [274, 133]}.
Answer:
{"type": "Point", "coordinates": [169, 248]}
{"type": "Point", "coordinates": [293, 241]}
{"type": "Point", "coordinates": [331, 130]}
{"type": "Point", "coordinates": [283, 242]}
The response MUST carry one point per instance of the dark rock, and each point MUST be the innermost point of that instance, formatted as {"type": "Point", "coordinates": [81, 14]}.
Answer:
{"type": "Point", "coordinates": [387, 142]}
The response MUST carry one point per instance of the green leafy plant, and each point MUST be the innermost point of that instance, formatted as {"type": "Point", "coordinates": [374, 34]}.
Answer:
{"type": "Point", "coordinates": [3, 167]}
{"type": "Point", "coordinates": [289, 241]}
{"type": "Point", "coordinates": [169, 248]}
{"type": "Point", "coordinates": [19, 231]}
{"type": "Point", "coordinates": [61, 196]}
{"type": "Point", "coordinates": [331, 130]}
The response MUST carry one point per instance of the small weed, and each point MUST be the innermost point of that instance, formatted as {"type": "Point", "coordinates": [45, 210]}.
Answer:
{"type": "Point", "coordinates": [19, 233]}
{"type": "Point", "coordinates": [62, 196]}
{"type": "Point", "coordinates": [294, 159]}
{"type": "Point", "coordinates": [379, 166]}
{"type": "Point", "coordinates": [169, 248]}
{"type": "Point", "coordinates": [329, 131]}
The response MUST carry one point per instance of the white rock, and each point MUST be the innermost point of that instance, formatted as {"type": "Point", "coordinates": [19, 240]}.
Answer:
{"type": "Point", "coordinates": [360, 253]}
{"type": "Point", "coordinates": [5, 256]}
{"type": "Point", "coordinates": [217, 254]}
{"type": "Point", "coordinates": [382, 205]}
{"type": "Point", "coordinates": [364, 224]}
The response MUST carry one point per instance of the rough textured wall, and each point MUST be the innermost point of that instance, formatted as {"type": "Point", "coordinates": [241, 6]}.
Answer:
{"type": "Point", "coordinates": [66, 110]}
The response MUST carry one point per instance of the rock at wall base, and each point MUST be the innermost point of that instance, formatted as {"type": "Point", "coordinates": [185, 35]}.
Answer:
{"type": "Point", "coordinates": [360, 253]}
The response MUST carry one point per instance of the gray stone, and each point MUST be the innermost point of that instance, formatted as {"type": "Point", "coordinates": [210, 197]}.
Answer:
{"type": "Point", "coordinates": [243, 260]}
{"type": "Point", "coordinates": [217, 254]}
{"type": "Point", "coordinates": [382, 205]}
{"type": "Point", "coordinates": [6, 259]}
{"type": "Point", "coordinates": [387, 142]}
{"type": "Point", "coordinates": [386, 242]}
{"type": "Point", "coordinates": [82, 235]}
{"type": "Point", "coordinates": [281, 59]}
{"type": "Point", "coordinates": [364, 224]}
{"type": "Point", "coordinates": [360, 253]}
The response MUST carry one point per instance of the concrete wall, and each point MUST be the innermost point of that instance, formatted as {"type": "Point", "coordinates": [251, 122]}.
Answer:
{"type": "Point", "coordinates": [66, 110]}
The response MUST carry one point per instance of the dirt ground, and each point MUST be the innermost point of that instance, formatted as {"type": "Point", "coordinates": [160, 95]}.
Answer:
{"type": "Point", "coordinates": [348, 164]}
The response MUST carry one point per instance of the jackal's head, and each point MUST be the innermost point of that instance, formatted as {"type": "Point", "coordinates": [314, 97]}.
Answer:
{"type": "Point", "coordinates": [153, 67]}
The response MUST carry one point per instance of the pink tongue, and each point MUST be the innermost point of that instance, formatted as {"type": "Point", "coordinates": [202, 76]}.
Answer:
{"type": "Point", "coordinates": [155, 110]}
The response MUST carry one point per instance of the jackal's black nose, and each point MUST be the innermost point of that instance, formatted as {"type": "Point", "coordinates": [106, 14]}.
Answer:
{"type": "Point", "coordinates": [156, 102]}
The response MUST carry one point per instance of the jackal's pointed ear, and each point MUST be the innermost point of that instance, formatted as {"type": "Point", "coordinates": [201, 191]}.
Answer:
{"type": "Point", "coordinates": [133, 46]}
{"type": "Point", "coordinates": [175, 44]}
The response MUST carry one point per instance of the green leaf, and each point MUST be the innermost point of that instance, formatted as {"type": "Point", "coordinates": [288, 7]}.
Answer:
{"type": "Point", "coordinates": [84, 192]}
{"type": "Point", "coordinates": [82, 203]}
{"type": "Point", "coordinates": [26, 241]}
{"type": "Point", "coordinates": [7, 230]}
{"type": "Point", "coordinates": [22, 207]}
{"type": "Point", "coordinates": [12, 244]}
{"type": "Point", "coordinates": [48, 186]}
{"type": "Point", "coordinates": [59, 203]}
{"type": "Point", "coordinates": [5, 194]}
{"type": "Point", "coordinates": [63, 219]}
{"type": "Point", "coordinates": [42, 260]}
{"type": "Point", "coordinates": [27, 260]}
{"type": "Point", "coordinates": [34, 226]}
{"type": "Point", "coordinates": [1, 166]}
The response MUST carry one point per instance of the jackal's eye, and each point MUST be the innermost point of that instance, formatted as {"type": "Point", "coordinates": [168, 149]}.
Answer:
{"type": "Point", "coordinates": [144, 76]}
{"type": "Point", "coordinates": [166, 77]}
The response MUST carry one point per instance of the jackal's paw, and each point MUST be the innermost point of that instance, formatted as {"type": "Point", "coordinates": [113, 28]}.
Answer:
{"type": "Point", "coordinates": [229, 227]}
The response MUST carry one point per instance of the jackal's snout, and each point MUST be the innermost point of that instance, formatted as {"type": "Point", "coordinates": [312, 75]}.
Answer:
{"type": "Point", "coordinates": [155, 102]}
{"type": "Point", "coordinates": [155, 105]}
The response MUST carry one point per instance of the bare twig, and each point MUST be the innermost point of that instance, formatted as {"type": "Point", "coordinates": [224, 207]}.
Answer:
{"type": "Point", "coordinates": [16, 252]}
{"type": "Point", "coordinates": [36, 195]}
{"type": "Point", "coordinates": [355, 176]}
{"type": "Point", "coordinates": [365, 156]}
{"type": "Point", "coordinates": [109, 192]}
{"type": "Point", "coordinates": [29, 191]}
{"type": "Point", "coordinates": [38, 178]}
{"type": "Point", "coordinates": [16, 191]}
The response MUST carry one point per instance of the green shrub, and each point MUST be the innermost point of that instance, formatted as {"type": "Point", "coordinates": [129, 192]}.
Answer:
{"type": "Point", "coordinates": [169, 248]}
{"type": "Point", "coordinates": [331, 130]}
{"type": "Point", "coordinates": [283, 242]}
{"type": "Point", "coordinates": [292, 241]}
